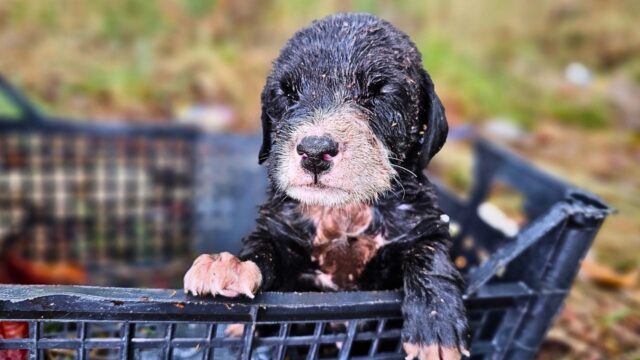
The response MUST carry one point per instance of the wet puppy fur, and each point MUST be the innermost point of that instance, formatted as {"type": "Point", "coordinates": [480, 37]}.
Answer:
{"type": "Point", "coordinates": [368, 220]}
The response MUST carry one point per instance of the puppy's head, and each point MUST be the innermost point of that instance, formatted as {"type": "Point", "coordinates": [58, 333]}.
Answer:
{"type": "Point", "coordinates": [346, 107]}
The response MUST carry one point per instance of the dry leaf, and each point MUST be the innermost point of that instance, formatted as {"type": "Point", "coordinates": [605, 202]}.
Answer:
{"type": "Point", "coordinates": [604, 275]}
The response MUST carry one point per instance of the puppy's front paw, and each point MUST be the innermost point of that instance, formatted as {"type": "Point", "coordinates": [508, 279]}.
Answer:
{"type": "Point", "coordinates": [434, 330]}
{"type": "Point", "coordinates": [222, 274]}
{"type": "Point", "coordinates": [432, 352]}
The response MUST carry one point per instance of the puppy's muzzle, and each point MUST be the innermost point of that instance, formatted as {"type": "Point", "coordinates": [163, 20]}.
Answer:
{"type": "Point", "coordinates": [317, 153]}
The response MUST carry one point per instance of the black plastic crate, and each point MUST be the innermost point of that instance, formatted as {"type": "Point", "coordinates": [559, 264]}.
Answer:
{"type": "Point", "coordinates": [516, 280]}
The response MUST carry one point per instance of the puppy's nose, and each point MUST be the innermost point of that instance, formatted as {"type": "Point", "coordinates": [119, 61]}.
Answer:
{"type": "Point", "coordinates": [317, 152]}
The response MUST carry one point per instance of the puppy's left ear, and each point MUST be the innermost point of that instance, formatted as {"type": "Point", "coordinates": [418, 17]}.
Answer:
{"type": "Point", "coordinates": [265, 149]}
{"type": "Point", "coordinates": [434, 123]}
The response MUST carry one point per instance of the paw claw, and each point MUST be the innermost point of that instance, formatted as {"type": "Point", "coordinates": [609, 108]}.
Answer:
{"type": "Point", "coordinates": [432, 352]}
{"type": "Point", "coordinates": [412, 350]}
{"type": "Point", "coordinates": [465, 352]}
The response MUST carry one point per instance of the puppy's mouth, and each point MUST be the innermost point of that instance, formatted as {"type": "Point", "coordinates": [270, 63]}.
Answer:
{"type": "Point", "coordinates": [316, 186]}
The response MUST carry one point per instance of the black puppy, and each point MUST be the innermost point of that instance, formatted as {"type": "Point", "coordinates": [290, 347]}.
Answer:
{"type": "Point", "coordinates": [350, 120]}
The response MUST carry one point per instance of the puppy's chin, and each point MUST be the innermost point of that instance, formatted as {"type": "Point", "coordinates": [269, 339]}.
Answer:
{"type": "Point", "coordinates": [322, 195]}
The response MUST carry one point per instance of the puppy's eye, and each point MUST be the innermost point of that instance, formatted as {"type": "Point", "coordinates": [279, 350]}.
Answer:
{"type": "Point", "coordinates": [374, 90]}
{"type": "Point", "coordinates": [377, 88]}
{"type": "Point", "coordinates": [289, 91]}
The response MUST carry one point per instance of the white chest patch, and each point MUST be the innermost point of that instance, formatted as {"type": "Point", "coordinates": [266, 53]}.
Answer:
{"type": "Point", "coordinates": [341, 247]}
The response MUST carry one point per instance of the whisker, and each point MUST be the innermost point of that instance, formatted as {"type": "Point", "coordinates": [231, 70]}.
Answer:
{"type": "Point", "coordinates": [396, 178]}
{"type": "Point", "coordinates": [405, 169]}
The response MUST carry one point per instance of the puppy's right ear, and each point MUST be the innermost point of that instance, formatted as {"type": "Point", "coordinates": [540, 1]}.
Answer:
{"type": "Point", "coordinates": [265, 149]}
{"type": "Point", "coordinates": [434, 122]}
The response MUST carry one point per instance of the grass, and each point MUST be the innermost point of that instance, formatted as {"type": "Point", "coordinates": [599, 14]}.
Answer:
{"type": "Point", "coordinates": [8, 109]}
{"type": "Point", "coordinates": [149, 58]}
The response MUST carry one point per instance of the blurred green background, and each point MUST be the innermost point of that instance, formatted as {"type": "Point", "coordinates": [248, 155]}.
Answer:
{"type": "Point", "coordinates": [558, 81]}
